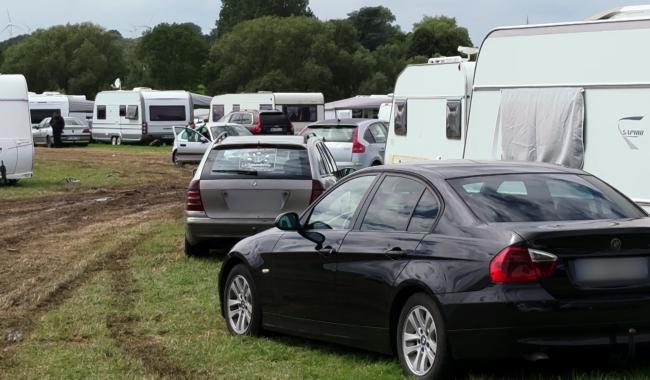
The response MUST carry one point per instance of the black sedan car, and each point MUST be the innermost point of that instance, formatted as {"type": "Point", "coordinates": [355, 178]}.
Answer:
{"type": "Point", "coordinates": [451, 260]}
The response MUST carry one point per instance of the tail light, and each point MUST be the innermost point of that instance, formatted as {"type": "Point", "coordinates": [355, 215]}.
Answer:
{"type": "Point", "coordinates": [144, 128]}
{"type": "Point", "coordinates": [316, 190]}
{"type": "Point", "coordinates": [194, 202]}
{"type": "Point", "coordinates": [357, 147]}
{"type": "Point", "coordinates": [520, 264]}
{"type": "Point", "coordinates": [257, 127]}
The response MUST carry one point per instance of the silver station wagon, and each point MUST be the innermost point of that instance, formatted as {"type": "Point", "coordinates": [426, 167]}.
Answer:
{"type": "Point", "coordinates": [244, 182]}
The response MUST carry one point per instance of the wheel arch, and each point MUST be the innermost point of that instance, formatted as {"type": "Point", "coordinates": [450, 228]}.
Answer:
{"type": "Point", "coordinates": [405, 291]}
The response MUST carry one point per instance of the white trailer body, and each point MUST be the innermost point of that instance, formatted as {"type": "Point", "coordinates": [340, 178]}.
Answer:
{"type": "Point", "coordinates": [16, 144]}
{"type": "Point", "coordinates": [43, 105]}
{"type": "Point", "coordinates": [167, 109]}
{"type": "Point", "coordinates": [522, 77]}
{"type": "Point", "coordinates": [429, 111]}
{"type": "Point", "coordinates": [357, 107]}
{"type": "Point", "coordinates": [119, 117]}
{"type": "Point", "coordinates": [301, 108]}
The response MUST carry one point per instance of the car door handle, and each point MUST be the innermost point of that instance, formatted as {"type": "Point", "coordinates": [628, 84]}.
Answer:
{"type": "Point", "coordinates": [395, 253]}
{"type": "Point", "coordinates": [183, 145]}
{"type": "Point", "coordinates": [327, 251]}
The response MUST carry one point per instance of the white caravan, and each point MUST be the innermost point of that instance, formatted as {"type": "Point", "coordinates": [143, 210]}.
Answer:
{"type": "Point", "coordinates": [167, 109]}
{"type": "Point", "coordinates": [302, 108]}
{"type": "Point", "coordinates": [16, 145]}
{"type": "Point", "coordinates": [43, 105]}
{"type": "Point", "coordinates": [575, 94]}
{"type": "Point", "coordinates": [357, 107]}
{"type": "Point", "coordinates": [119, 117]}
{"type": "Point", "coordinates": [130, 116]}
{"type": "Point", "coordinates": [429, 108]}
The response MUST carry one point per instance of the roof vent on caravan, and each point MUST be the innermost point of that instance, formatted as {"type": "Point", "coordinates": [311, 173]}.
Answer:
{"type": "Point", "coordinates": [629, 12]}
{"type": "Point", "coordinates": [439, 60]}
{"type": "Point", "coordinates": [469, 51]}
{"type": "Point", "coordinates": [51, 93]}
{"type": "Point", "coordinates": [142, 89]}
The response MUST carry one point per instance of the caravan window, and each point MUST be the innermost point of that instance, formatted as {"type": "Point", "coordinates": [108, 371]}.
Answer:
{"type": "Point", "coordinates": [122, 111]}
{"type": "Point", "coordinates": [132, 112]}
{"type": "Point", "coordinates": [101, 112]}
{"type": "Point", "coordinates": [39, 115]}
{"type": "Point", "coordinates": [300, 113]}
{"type": "Point", "coordinates": [235, 107]}
{"type": "Point", "coordinates": [454, 119]}
{"type": "Point", "coordinates": [399, 118]}
{"type": "Point", "coordinates": [167, 113]}
{"type": "Point", "coordinates": [218, 110]}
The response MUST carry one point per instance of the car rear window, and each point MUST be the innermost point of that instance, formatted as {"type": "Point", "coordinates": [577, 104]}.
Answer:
{"type": "Point", "coordinates": [265, 162]}
{"type": "Point", "coordinates": [274, 119]}
{"type": "Point", "coordinates": [333, 133]}
{"type": "Point", "coordinates": [542, 197]}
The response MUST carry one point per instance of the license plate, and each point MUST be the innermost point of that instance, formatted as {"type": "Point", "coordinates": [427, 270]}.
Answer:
{"type": "Point", "coordinates": [277, 129]}
{"type": "Point", "coordinates": [604, 270]}
{"type": "Point", "coordinates": [73, 138]}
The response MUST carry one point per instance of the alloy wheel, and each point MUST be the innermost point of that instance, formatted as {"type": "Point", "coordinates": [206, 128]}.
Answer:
{"type": "Point", "coordinates": [419, 340]}
{"type": "Point", "coordinates": [239, 307]}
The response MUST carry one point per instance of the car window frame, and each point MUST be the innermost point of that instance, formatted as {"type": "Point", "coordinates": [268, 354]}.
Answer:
{"type": "Point", "coordinates": [307, 213]}
{"type": "Point", "coordinates": [413, 176]}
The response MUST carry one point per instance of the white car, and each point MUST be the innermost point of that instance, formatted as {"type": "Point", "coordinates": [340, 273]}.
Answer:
{"type": "Point", "coordinates": [190, 144]}
{"type": "Point", "coordinates": [76, 131]}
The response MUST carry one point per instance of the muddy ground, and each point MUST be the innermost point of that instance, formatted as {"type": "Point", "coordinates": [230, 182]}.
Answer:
{"type": "Point", "coordinates": [52, 243]}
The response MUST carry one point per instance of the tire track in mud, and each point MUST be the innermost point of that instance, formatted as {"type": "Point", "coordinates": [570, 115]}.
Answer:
{"type": "Point", "coordinates": [122, 324]}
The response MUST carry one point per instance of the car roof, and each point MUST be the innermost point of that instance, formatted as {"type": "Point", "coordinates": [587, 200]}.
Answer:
{"type": "Point", "coordinates": [447, 169]}
{"type": "Point", "coordinates": [357, 122]}
{"type": "Point", "coordinates": [280, 140]}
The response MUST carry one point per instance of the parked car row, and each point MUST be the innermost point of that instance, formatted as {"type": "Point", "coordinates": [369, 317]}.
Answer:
{"type": "Point", "coordinates": [76, 132]}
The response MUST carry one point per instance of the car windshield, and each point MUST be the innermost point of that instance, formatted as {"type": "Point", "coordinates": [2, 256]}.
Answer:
{"type": "Point", "coordinates": [542, 197]}
{"type": "Point", "coordinates": [333, 133]}
{"type": "Point", "coordinates": [257, 162]}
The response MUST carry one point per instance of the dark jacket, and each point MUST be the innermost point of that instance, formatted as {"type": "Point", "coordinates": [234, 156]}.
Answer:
{"type": "Point", "coordinates": [57, 124]}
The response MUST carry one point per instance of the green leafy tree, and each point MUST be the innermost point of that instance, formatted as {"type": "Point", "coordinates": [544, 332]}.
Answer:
{"type": "Point", "coordinates": [375, 26]}
{"type": "Point", "coordinates": [78, 58]}
{"type": "Point", "coordinates": [288, 54]}
{"type": "Point", "coordinates": [235, 11]}
{"type": "Point", "coordinates": [170, 56]}
{"type": "Point", "coordinates": [437, 36]}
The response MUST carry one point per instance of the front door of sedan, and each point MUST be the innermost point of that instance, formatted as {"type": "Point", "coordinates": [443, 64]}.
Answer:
{"type": "Point", "coordinates": [190, 145]}
{"type": "Point", "coordinates": [303, 272]}
{"type": "Point", "coordinates": [372, 255]}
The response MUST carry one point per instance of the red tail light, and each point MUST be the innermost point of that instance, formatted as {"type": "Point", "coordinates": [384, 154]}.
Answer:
{"type": "Point", "coordinates": [357, 147]}
{"type": "Point", "coordinates": [194, 202]}
{"type": "Point", "coordinates": [257, 127]}
{"type": "Point", "coordinates": [144, 128]}
{"type": "Point", "coordinates": [520, 264]}
{"type": "Point", "coordinates": [316, 190]}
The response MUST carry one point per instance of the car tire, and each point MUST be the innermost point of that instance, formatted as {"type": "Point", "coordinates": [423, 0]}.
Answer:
{"type": "Point", "coordinates": [175, 159]}
{"type": "Point", "coordinates": [241, 308]}
{"type": "Point", "coordinates": [421, 339]}
{"type": "Point", "coordinates": [195, 249]}
{"type": "Point", "coordinates": [376, 163]}
{"type": "Point", "coordinates": [49, 142]}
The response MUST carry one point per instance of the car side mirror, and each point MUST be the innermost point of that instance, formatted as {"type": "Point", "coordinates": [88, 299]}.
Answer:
{"type": "Point", "coordinates": [288, 221]}
{"type": "Point", "coordinates": [344, 172]}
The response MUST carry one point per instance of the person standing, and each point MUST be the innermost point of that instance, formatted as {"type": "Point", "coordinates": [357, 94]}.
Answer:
{"type": "Point", "coordinates": [57, 123]}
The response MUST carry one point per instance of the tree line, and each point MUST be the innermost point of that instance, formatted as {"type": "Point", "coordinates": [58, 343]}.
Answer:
{"type": "Point", "coordinates": [272, 45]}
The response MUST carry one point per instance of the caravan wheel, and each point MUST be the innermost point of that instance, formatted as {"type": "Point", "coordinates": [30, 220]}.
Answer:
{"type": "Point", "coordinates": [113, 140]}
{"type": "Point", "coordinates": [118, 140]}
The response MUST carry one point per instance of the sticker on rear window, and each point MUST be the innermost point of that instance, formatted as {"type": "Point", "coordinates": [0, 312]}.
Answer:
{"type": "Point", "coordinates": [259, 159]}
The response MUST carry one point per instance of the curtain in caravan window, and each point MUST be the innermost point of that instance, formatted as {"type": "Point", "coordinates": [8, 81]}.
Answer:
{"type": "Point", "coordinates": [545, 125]}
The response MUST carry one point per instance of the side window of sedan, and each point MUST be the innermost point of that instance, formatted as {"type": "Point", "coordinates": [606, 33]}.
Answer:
{"type": "Point", "coordinates": [336, 210]}
{"type": "Point", "coordinates": [425, 213]}
{"type": "Point", "coordinates": [393, 204]}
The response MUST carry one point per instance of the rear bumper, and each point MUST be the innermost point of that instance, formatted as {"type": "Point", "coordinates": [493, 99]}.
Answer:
{"type": "Point", "coordinates": [498, 322]}
{"type": "Point", "coordinates": [201, 229]}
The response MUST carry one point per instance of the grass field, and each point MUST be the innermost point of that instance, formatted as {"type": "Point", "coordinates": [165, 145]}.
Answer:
{"type": "Point", "coordinates": [124, 302]}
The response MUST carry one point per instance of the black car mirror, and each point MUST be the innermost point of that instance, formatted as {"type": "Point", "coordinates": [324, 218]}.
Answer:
{"type": "Point", "coordinates": [344, 172]}
{"type": "Point", "coordinates": [288, 221]}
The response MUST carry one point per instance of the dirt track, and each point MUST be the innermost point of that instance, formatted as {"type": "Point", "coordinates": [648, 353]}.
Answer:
{"type": "Point", "coordinates": [49, 247]}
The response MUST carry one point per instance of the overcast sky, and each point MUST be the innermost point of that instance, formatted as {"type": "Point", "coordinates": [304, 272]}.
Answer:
{"type": "Point", "coordinates": [131, 17]}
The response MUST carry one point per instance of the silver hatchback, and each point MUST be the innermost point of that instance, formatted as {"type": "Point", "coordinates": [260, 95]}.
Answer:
{"type": "Point", "coordinates": [354, 143]}
{"type": "Point", "coordinates": [244, 182]}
